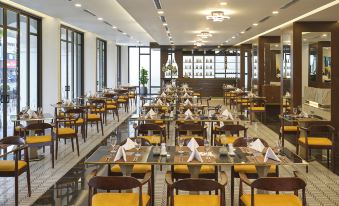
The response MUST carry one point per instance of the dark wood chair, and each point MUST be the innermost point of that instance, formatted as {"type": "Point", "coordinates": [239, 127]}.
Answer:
{"type": "Point", "coordinates": [318, 137]}
{"type": "Point", "coordinates": [92, 117]}
{"type": "Point", "coordinates": [249, 170]}
{"type": "Point", "coordinates": [64, 129]}
{"type": "Point", "coordinates": [232, 132]}
{"type": "Point", "coordinates": [111, 104]}
{"type": "Point", "coordinates": [154, 133]}
{"type": "Point", "coordinates": [14, 168]}
{"type": "Point", "coordinates": [257, 106]}
{"type": "Point", "coordinates": [288, 129]}
{"type": "Point", "coordinates": [188, 130]}
{"type": "Point", "coordinates": [119, 183]}
{"type": "Point", "coordinates": [80, 115]}
{"type": "Point", "coordinates": [123, 100]}
{"type": "Point", "coordinates": [98, 106]}
{"type": "Point", "coordinates": [42, 136]}
{"type": "Point", "coordinates": [196, 185]}
{"type": "Point", "coordinates": [276, 184]}
{"type": "Point", "coordinates": [132, 95]}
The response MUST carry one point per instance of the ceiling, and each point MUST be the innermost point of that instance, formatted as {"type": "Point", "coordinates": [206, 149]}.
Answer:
{"type": "Point", "coordinates": [140, 20]}
{"type": "Point", "coordinates": [111, 12]}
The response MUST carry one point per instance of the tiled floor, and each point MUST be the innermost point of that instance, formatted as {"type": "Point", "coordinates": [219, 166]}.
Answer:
{"type": "Point", "coordinates": [322, 184]}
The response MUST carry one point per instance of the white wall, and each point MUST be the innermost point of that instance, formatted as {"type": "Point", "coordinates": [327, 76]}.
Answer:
{"type": "Point", "coordinates": [90, 62]}
{"type": "Point", "coordinates": [111, 64]}
{"type": "Point", "coordinates": [124, 64]}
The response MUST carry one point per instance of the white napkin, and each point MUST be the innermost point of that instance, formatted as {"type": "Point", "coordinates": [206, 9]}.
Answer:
{"type": "Point", "coordinates": [221, 124]}
{"type": "Point", "coordinates": [168, 89]}
{"type": "Point", "coordinates": [188, 113]}
{"type": "Point", "coordinates": [304, 114]}
{"type": "Point", "coordinates": [195, 155]}
{"type": "Point", "coordinates": [163, 94]}
{"type": "Point", "coordinates": [229, 86]}
{"type": "Point", "coordinates": [151, 112]}
{"type": "Point", "coordinates": [227, 114]}
{"type": "Point", "coordinates": [30, 113]}
{"type": "Point", "coordinates": [88, 94]}
{"type": "Point", "coordinates": [238, 90]}
{"type": "Point", "coordinates": [287, 94]}
{"type": "Point", "coordinates": [192, 144]}
{"type": "Point", "coordinates": [185, 86]}
{"type": "Point", "coordinates": [129, 144]}
{"type": "Point", "coordinates": [189, 117]}
{"type": "Point", "coordinates": [257, 145]}
{"type": "Point", "coordinates": [120, 154]}
{"type": "Point", "coordinates": [168, 86]}
{"type": "Point", "coordinates": [187, 102]}
{"type": "Point", "coordinates": [159, 102]}
{"type": "Point", "coordinates": [146, 104]}
{"type": "Point", "coordinates": [186, 95]}
{"type": "Point", "coordinates": [231, 149]}
{"type": "Point", "coordinates": [271, 155]}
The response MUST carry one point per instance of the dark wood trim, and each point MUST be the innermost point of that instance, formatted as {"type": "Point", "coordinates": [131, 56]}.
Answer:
{"type": "Point", "coordinates": [243, 49]}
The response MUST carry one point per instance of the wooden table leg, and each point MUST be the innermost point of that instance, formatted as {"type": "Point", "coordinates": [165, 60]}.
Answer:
{"type": "Point", "coordinates": [127, 171]}
{"type": "Point", "coordinates": [194, 171]}
{"type": "Point", "coordinates": [262, 171]}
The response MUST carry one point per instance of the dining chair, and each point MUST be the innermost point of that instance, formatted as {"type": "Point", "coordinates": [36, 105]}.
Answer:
{"type": "Point", "coordinates": [123, 99]}
{"type": "Point", "coordinates": [111, 104]}
{"type": "Point", "coordinates": [320, 137]}
{"type": "Point", "coordinates": [80, 115]}
{"type": "Point", "coordinates": [196, 185]}
{"type": "Point", "coordinates": [154, 133]}
{"type": "Point", "coordinates": [274, 184]}
{"type": "Point", "coordinates": [288, 129]}
{"type": "Point", "coordinates": [257, 106]}
{"type": "Point", "coordinates": [95, 117]}
{"type": "Point", "coordinates": [132, 95]}
{"type": "Point", "coordinates": [249, 170]}
{"type": "Point", "coordinates": [37, 135]}
{"type": "Point", "coordinates": [65, 129]}
{"type": "Point", "coordinates": [16, 167]}
{"type": "Point", "coordinates": [231, 131]}
{"type": "Point", "coordinates": [228, 96]}
{"type": "Point", "coordinates": [188, 130]}
{"type": "Point", "coordinates": [118, 183]}
{"type": "Point", "coordinates": [98, 106]}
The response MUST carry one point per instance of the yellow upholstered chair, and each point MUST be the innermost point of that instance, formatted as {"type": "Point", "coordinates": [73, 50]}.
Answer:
{"type": "Point", "coordinates": [230, 131]}
{"type": "Point", "coordinates": [119, 183]}
{"type": "Point", "coordinates": [95, 117]}
{"type": "Point", "coordinates": [196, 185]}
{"type": "Point", "coordinates": [41, 138]}
{"type": "Point", "coordinates": [292, 130]}
{"type": "Point", "coordinates": [257, 105]}
{"type": "Point", "coordinates": [111, 104]}
{"type": "Point", "coordinates": [154, 133]}
{"type": "Point", "coordinates": [80, 115]}
{"type": "Point", "coordinates": [123, 99]}
{"type": "Point", "coordinates": [249, 170]}
{"type": "Point", "coordinates": [274, 184]}
{"type": "Point", "coordinates": [318, 137]}
{"type": "Point", "coordinates": [14, 168]}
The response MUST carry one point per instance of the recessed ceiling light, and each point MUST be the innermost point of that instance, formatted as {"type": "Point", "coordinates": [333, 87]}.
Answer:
{"type": "Point", "coordinates": [168, 31]}
{"type": "Point", "coordinates": [324, 35]}
{"type": "Point", "coordinates": [164, 24]}
{"type": "Point", "coordinates": [226, 41]}
{"type": "Point", "coordinates": [243, 32]}
{"type": "Point", "coordinates": [275, 12]}
{"type": "Point", "coordinates": [255, 24]}
{"type": "Point", "coordinates": [100, 19]}
{"type": "Point", "coordinates": [124, 33]}
{"type": "Point", "coordinates": [77, 5]}
{"type": "Point", "coordinates": [233, 37]}
{"type": "Point", "coordinates": [114, 27]}
{"type": "Point", "coordinates": [223, 3]}
{"type": "Point", "coordinates": [160, 12]}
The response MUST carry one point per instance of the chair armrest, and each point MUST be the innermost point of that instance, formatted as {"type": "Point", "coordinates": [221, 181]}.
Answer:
{"type": "Point", "coordinates": [147, 178]}
{"type": "Point", "coordinates": [298, 174]}
{"type": "Point", "coordinates": [243, 178]}
{"type": "Point", "coordinates": [304, 128]}
{"type": "Point", "coordinates": [168, 178]}
{"type": "Point", "coordinates": [223, 179]}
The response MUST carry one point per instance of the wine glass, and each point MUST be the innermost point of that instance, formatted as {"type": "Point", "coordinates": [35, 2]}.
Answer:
{"type": "Point", "coordinates": [113, 142]}
{"type": "Point", "coordinates": [138, 146]}
{"type": "Point", "coordinates": [181, 144]}
{"type": "Point", "coordinates": [196, 110]}
{"type": "Point", "coordinates": [279, 146]}
{"type": "Point", "coordinates": [295, 111]}
{"type": "Point", "coordinates": [207, 147]}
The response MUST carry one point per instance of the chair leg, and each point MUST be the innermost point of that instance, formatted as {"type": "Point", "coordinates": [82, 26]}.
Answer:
{"type": "Point", "coordinates": [77, 143]}
{"type": "Point", "coordinates": [16, 190]}
{"type": "Point", "coordinates": [102, 129]}
{"type": "Point", "coordinates": [72, 144]}
{"type": "Point", "coordinates": [232, 187]}
{"type": "Point", "coordinates": [98, 126]}
{"type": "Point", "coordinates": [52, 151]}
{"type": "Point", "coordinates": [328, 158]}
{"type": "Point", "coordinates": [56, 149]}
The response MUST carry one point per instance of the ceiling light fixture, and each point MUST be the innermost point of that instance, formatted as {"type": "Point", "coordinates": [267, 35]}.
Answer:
{"type": "Point", "coordinates": [324, 35]}
{"type": "Point", "coordinates": [77, 5]}
{"type": "Point", "coordinates": [255, 24]}
{"type": "Point", "coordinates": [161, 12]}
{"type": "Point", "coordinates": [114, 27]}
{"type": "Point", "coordinates": [164, 24]}
{"type": "Point", "coordinates": [275, 12]}
{"type": "Point", "coordinates": [223, 3]}
{"type": "Point", "coordinates": [100, 19]}
{"type": "Point", "coordinates": [243, 32]}
{"type": "Point", "coordinates": [124, 33]}
{"type": "Point", "coordinates": [204, 34]}
{"type": "Point", "coordinates": [198, 43]}
{"type": "Point", "coordinates": [217, 16]}
{"type": "Point", "coordinates": [233, 37]}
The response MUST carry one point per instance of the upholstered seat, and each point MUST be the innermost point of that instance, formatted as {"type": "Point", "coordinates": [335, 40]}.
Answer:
{"type": "Point", "coordinates": [229, 139]}
{"type": "Point", "coordinates": [18, 128]}
{"type": "Point", "coordinates": [9, 165]}
{"type": "Point", "coordinates": [272, 200]}
{"type": "Point", "coordinates": [183, 169]}
{"type": "Point", "coordinates": [93, 116]}
{"type": "Point", "coordinates": [154, 139]}
{"type": "Point", "coordinates": [65, 130]}
{"type": "Point", "coordinates": [196, 94]}
{"type": "Point", "coordinates": [38, 139]}
{"type": "Point", "coordinates": [251, 169]}
{"type": "Point", "coordinates": [196, 200]}
{"type": "Point", "coordinates": [99, 110]}
{"type": "Point", "coordinates": [111, 106]}
{"type": "Point", "coordinates": [158, 122]}
{"type": "Point", "coordinates": [122, 100]}
{"type": "Point", "coordinates": [131, 95]}
{"type": "Point", "coordinates": [119, 199]}
{"type": "Point", "coordinates": [316, 141]}
{"type": "Point", "coordinates": [108, 102]}
{"type": "Point", "coordinates": [257, 108]}
{"type": "Point", "coordinates": [189, 137]}
{"type": "Point", "coordinates": [136, 168]}
{"type": "Point", "coordinates": [290, 128]}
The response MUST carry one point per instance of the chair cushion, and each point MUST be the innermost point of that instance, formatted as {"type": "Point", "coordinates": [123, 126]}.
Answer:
{"type": "Point", "coordinates": [290, 128]}
{"type": "Point", "coordinates": [158, 122]}
{"type": "Point", "coordinates": [189, 137]}
{"type": "Point", "coordinates": [122, 100]}
{"type": "Point", "coordinates": [131, 95]}
{"type": "Point", "coordinates": [316, 141]}
{"type": "Point", "coordinates": [9, 165]}
{"type": "Point", "coordinates": [251, 169]}
{"type": "Point", "coordinates": [38, 139]}
{"type": "Point", "coordinates": [136, 168]}
{"type": "Point", "coordinates": [93, 116]}
{"type": "Point", "coordinates": [257, 108]}
{"type": "Point", "coordinates": [153, 139]}
{"type": "Point", "coordinates": [229, 139]}
{"type": "Point", "coordinates": [111, 106]}
{"type": "Point", "coordinates": [64, 131]}
{"type": "Point", "coordinates": [183, 169]}
{"type": "Point", "coordinates": [18, 128]}
{"type": "Point", "coordinates": [196, 200]}
{"type": "Point", "coordinates": [108, 102]}
{"type": "Point", "coordinates": [196, 94]}
{"type": "Point", "coordinates": [118, 199]}
{"type": "Point", "coordinates": [272, 200]}
{"type": "Point", "coordinates": [99, 110]}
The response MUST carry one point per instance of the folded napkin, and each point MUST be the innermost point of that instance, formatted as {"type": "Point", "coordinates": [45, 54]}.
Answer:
{"type": "Point", "coordinates": [231, 149]}
{"type": "Point", "coordinates": [221, 124]}
{"type": "Point", "coordinates": [88, 94]}
{"type": "Point", "coordinates": [186, 95]}
{"type": "Point", "coordinates": [189, 117]}
{"type": "Point", "coordinates": [31, 114]}
{"type": "Point", "coordinates": [187, 102]}
{"type": "Point", "coordinates": [146, 104]}
{"type": "Point", "coordinates": [150, 114]}
{"type": "Point", "coordinates": [229, 86]}
{"type": "Point", "coordinates": [304, 114]}
{"type": "Point", "coordinates": [168, 89]}
{"type": "Point", "coordinates": [195, 155]}
{"type": "Point", "coordinates": [129, 144]}
{"type": "Point", "coordinates": [238, 90]}
{"type": "Point", "coordinates": [120, 154]}
{"type": "Point", "coordinates": [287, 94]}
{"type": "Point", "coordinates": [257, 145]}
{"type": "Point", "coordinates": [163, 94]}
{"type": "Point", "coordinates": [159, 102]}
{"type": "Point", "coordinates": [271, 155]}
{"type": "Point", "coordinates": [168, 86]}
{"type": "Point", "coordinates": [227, 114]}
{"type": "Point", "coordinates": [192, 144]}
{"type": "Point", "coordinates": [188, 113]}
{"type": "Point", "coordinates": [185, 86]}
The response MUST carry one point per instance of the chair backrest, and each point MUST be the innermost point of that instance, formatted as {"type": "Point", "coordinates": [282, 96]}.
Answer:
{"type": "Point", "coordinates": [144, 142]}
{"type": "Point", "coordinates": [234, 129]}
{"type": "Point", "coordinates": [145, 128]}
{"type": "Point", "coordinates": [38, 126]}
{"type": "Point", "coordinates": [283, 184]}
{"type": "Point", "coordinates": [242, 142]}
{"type": "Point", "coordinates": [12, 140]}
{"type": "Point", "coordinates": [320, 130]}
{"type": "Point", "coordinates": [113, 182]}
{"type": "Point", "coordinates": [195, 128]}
{"type": "Point", "coordinates": [258, 102]}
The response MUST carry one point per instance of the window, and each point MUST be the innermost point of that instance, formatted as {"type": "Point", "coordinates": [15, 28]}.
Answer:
{"type": "Point", "coordinates": [232, 61]}
{"type": "Point", "coordinates": [101, 64]}
{"type": "Point", "coordinates": [71, 62]}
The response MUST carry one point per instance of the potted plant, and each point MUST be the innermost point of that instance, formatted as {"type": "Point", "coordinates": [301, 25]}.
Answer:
{"type": "Point", "coordinates": [143, 79]}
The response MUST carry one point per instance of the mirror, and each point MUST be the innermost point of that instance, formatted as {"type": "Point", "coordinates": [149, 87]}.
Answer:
{"type": "Point", "coordinates": [326, 69]}
{"type": "Point", "coordinates": [272, 63]}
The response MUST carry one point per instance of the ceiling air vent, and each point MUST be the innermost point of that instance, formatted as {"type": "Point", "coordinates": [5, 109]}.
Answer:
{"type": "Point", "coordinates": [157, 4]}
{"type": "Point", "coordinates": [89, 12]}
{"type": "Point", "coordinates": [120, 31]}
{"type": "Point", "coordinates": [163, 19]}
{"type": "Point", "coordinates": [107, 23]}
{"type": "Point", "coordinates": [264, 19]}
{"type": "Point", "coordinates": [249, 28]}
{"type": "Point", "coordinates": [290, 3]}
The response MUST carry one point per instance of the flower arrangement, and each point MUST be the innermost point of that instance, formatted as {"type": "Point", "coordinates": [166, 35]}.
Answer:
{"type": "Point", "coordinates": [169, 67]}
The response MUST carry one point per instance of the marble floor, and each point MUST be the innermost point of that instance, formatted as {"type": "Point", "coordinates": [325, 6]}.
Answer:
{"type": "Point", "coordinates": [66, 184]}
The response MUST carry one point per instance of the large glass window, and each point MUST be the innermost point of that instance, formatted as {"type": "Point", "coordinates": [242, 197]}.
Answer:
{"type": "Point", "coordinates": [101, 64]}
{"type": "Point", "coordinates": [71, 62]}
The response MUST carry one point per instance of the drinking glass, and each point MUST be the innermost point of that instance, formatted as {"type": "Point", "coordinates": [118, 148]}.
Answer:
{"type": "Point", "coordinates": [181, 144]}
{"type": "Point", "coordinates": [207, 147]}
{"type": "Point", "coordinates": [295, 111]}
{"type": "Point", "coordinates": [113, 142]}
{"type": "Point", "coordinates": [138, 146]}
{"type": "Point", "coordinates": [279, 146]}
